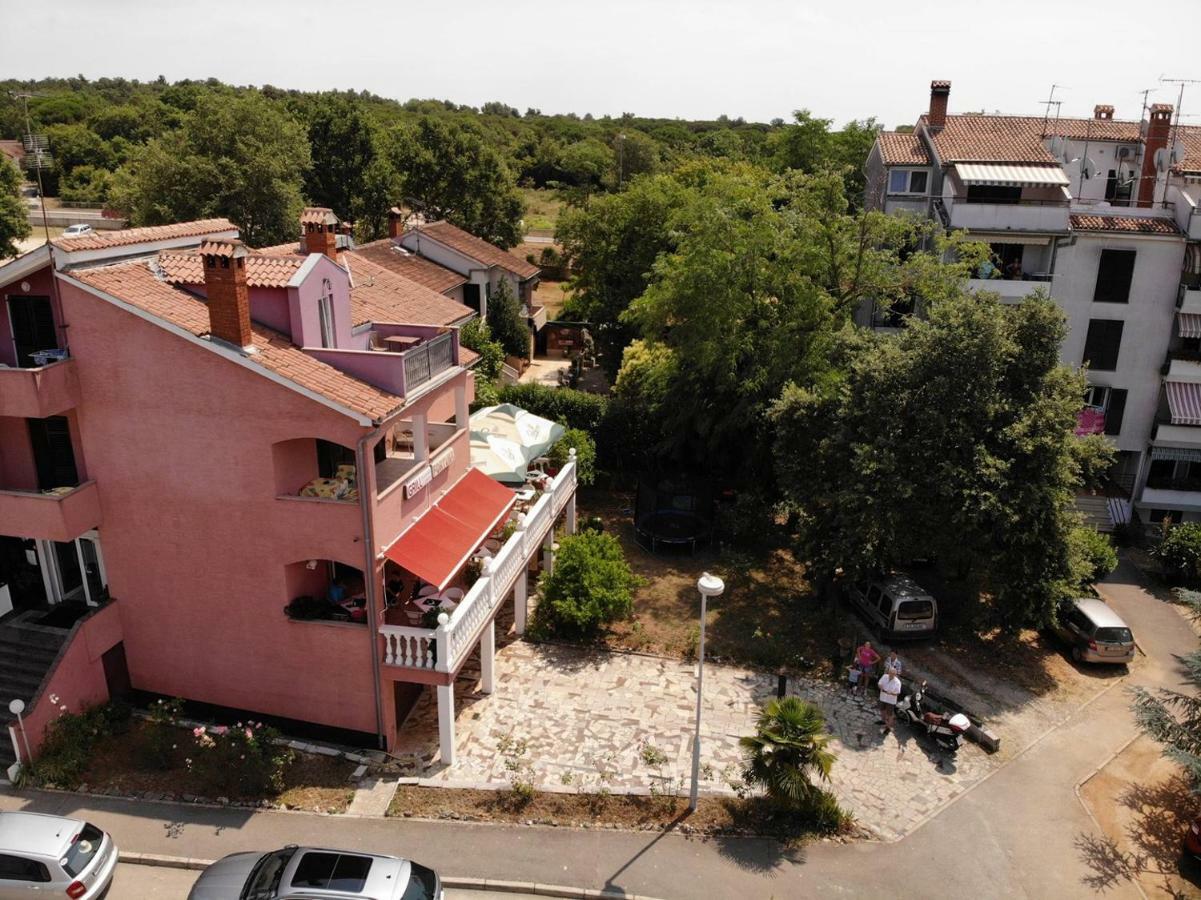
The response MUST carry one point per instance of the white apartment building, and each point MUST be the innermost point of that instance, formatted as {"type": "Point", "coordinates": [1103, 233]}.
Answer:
{"type": "Point", "coordinates": [1103, 214]}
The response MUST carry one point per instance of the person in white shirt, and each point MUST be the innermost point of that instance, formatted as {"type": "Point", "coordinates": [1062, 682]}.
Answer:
{"type": "Point", "coordinates": [894, 662]}
{"type": "Point", "coordinates": [890, 690]}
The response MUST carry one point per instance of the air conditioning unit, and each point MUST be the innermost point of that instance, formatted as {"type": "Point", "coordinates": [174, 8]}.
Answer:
{"type": "Point", "coordinates": [1124, 153]}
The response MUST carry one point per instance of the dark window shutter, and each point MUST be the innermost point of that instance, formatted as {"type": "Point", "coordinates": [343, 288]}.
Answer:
{"type": "Point", "coordinates": [1113, 276]}
{"type": "Point", "coordinates": [1115, 410]}
{"type": "Point", "coordinates": [1102, 343]}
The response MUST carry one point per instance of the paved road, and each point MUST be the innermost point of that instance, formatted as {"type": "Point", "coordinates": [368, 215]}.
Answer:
{"type": "Point", "coordinates": [1017, 834]}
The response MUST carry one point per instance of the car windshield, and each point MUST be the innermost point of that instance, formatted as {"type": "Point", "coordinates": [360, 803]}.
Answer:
{"type": "Point", "coordinates": [915, 609]}
{"type": "Point", "coordinates": [1113, 635]}
{"type": "Point", "coordinates": [83, 849]}
{"type": "Point", "coordinates": [332, 872]}
{"type": "Point", "coordinates": [423, 884]}
{"type": "Point", "coordinates": [264, 879]}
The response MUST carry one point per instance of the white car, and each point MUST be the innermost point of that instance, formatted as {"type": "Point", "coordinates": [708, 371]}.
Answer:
{"type": "Point", "coordinates": [77, 230]}
{"type": "Point", "coordinates": [51, 856]}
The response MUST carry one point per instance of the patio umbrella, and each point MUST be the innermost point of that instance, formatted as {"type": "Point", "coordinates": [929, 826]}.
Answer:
{"type": "Point", "coordinates": [506, 438]}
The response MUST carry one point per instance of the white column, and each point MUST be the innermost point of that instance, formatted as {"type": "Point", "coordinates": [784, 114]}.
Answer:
{"type": "Point", "coordinates": [548, 551]}
{"type": "Point", "coordinates": [462, 415]}
{"type": "Point", "coordinates": [520, 603]}
{"type": "Point", "coordinates": [446, 723]}
{"type": "Point", "coordinates": [487, 657]}
{"type": "Point", "coordinates": [571, 523]}
{"type": "Point", "coordinates": [421, 438]}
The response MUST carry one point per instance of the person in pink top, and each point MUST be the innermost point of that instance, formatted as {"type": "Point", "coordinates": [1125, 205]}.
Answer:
{"type": "Point", "coordinates": [865, 659]}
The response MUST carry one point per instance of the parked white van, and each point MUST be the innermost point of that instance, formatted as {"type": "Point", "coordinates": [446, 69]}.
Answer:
{"type": "Point", "coordinates": [896, 605]}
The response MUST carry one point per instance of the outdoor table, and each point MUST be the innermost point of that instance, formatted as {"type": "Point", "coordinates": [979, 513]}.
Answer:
{"type": "Point", "coordinates": [400, 342]}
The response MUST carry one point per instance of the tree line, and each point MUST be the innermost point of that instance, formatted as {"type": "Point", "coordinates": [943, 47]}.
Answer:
{"type": "Point", "coordinates": [160, 151]}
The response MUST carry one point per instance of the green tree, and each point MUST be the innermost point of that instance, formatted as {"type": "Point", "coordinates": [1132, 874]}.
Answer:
{"type": "Point", "coordinates": [377, 194]}
{"type": "Point", "coordinates": [505, 321]}
{"type": "Point", "coordinates": [14, 219]}
{"type": "Point", "coordinates": [634, 154]}
{"type": "Point", "coordinates": [1180, 551]}
{"type": "Point", "coordinates": [591, 586]}
{"type": "Point", "coordinates": [342, 150]}
{"type": "Point", "coordinates": [582, 443]}
{"type": "Point", "coordinates": [1173, 717]}
{"type": "Point", "coordinates": [241, 157]}
{"type": "Point", "coordinates": [449, 172]}
{"type": "Point", "coordinates": [477, 336]}
{"type": "Point", "coordinates": [787, 750]}
{"type": "Point", "coordinates": [952, 439]}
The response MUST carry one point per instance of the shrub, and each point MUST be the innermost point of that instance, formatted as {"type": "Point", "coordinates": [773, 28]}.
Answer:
{"type": "Point", "coordinates": [748, 519]}
{"type": "Point", "coordinates": [572, 408]}
{"type": "Point", "coordinates": [1091, 555]}
{"type": "Point", "coordinates": [592, 585]}
{"type": "Point", "coordinates": [1180, 551]}
{"type": "Point", "coordinates": [241, 761]}
{"type": "Point", "coordinates": [585, 453]}
{"type": "Point", "coordinates": [69, 742]}
{"type": "Point", "coordinates": [506, 322]}
{"type": "Point", "coordinates": [160, 735]}
{"type": "Point", "coordinates": [786, 750]}
{"type": "Point", "coordinates": [477, 336]}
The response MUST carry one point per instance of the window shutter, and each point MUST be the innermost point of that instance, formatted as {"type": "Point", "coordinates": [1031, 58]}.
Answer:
{"type": "Point", "coordinates": [1102, 344]}
{"type": "Point", "coordinates": [1115, 410]}
{"type": "Point", "coordinates": [1114, 275]}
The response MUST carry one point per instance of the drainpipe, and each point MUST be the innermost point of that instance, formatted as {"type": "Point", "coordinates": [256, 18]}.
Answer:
{"type": "Point", "coordinates": [365, 492]}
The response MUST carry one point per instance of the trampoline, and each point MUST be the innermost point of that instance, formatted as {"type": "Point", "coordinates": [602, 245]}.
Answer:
{"type": "Point", "coordinates": [672, 516]}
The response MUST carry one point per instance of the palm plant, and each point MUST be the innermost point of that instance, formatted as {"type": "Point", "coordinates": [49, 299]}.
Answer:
{"type": "Point", "coordinates": [787, 748]}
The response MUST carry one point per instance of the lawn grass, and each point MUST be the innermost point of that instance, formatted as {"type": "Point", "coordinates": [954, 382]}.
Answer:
{"type": "Point", "coordinates": [541, 209]}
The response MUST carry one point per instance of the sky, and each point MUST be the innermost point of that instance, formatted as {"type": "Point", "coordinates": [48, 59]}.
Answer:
{"type": "Point", "coordinates": [690, 59]}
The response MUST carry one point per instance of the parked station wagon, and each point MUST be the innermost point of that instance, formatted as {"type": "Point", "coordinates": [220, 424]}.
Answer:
{"type": "Point", "coordinates": [1094, 632]}
{"type": "Point", "coordinates": [896, 605]}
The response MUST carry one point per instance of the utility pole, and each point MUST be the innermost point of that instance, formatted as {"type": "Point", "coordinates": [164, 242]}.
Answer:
{"type": "Point", "coordinates": [37, 145]}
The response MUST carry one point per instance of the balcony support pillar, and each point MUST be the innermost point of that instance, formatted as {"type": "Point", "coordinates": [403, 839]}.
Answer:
{"type": "Point", "coordinates": [421, 438]}
{"type": "Point", "coordinates": [487, 657]}
{"type": "Point", "coordinates": [520, 601]}
{"type": "Point", "coordinates": [446, 723]}
{"type": "Point", "coordinates": [462, 414]}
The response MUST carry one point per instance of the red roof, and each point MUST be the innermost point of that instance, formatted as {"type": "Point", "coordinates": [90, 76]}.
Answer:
{"type": "Point", "coordinates": [380, 295]}
{"type": "Point", "coordinates": [1128, 224]}
{"type": "Point", "coordinates": [261, 271]}
{"type": "Point", "coordinates": [902, 149]}
{"type": "Point", "coordinates": [135, 284]}
{"type": "Point", "coordinates": [476, 248]}
{"type": "Point", "coordinates": [102, 240]}
{"type": "Point", "coordinates": [438, 545]}
{"type": "Point", "coordinates": [391, 256]}
{"type": "Point", "coordinates": [987, 138]}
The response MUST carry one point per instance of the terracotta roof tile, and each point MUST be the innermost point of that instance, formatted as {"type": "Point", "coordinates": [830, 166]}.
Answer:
{"type": "Point", "coordinates": [102, 240]}
{"type": "Point", "coordinates": [14, 150]}
{"type": "Point", "coordinates": [981, 138]}
{"type": "Point", "coordinates": [1190, 137]}
{"type": "Point", "coordinates": [380, 295]}
{"type": "Point", "coordinates": [318, 215]}
{"type": "Point", "coordinates": [261, 271]}
{"type": "Point", "coordinates": [901, 149]}
{"type": "Point", "coordinates": [409, 265]}
{"type": "Point", "coordinates": [1129, 224]}
{"type": "Point", "coordinates": [476, 248]}
{"type": "Point", "coordinates": [136, 284]}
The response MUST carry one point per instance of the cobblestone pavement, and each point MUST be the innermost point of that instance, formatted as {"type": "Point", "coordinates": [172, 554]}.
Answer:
{"type": "Point", "coordinates": [586, 718]}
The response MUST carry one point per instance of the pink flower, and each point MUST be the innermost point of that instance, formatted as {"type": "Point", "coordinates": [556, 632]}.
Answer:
{"type": "Point", "coordinates": [219, 729]}
{"type": "Point", "coordinates": [249, 735]}
{"type": "Point", "coordinates": [197, 732]}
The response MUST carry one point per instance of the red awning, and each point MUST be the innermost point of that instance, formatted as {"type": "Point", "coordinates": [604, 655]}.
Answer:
{"type": "Point", "coordinates": [438, 545]}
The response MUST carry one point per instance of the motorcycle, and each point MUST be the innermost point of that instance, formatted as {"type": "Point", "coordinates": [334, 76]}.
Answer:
{"type": "Point", "coordinates": [946, 729]}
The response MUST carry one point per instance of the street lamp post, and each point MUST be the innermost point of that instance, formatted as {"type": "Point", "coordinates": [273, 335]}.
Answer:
{"type": "Point", "coordinates": [16, 708]}
{"type": "Point", "coordinates": [709, 586]}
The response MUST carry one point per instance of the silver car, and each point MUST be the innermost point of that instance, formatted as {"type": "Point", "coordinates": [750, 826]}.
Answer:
{"type": "Point", "coordinates": [311, 873]}
{"type": "Point", "coordinates": [1094, 632]}
{"type": "Point", "coordinates": [49, 856]}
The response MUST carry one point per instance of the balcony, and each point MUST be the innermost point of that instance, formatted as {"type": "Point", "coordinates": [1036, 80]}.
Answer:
{"type": "Point", "coordinates": [61, 515]}
{"type": "Point", "coordinates": [1023, 215]}
{"type": "Point", "coordinates": [1183, 495]}
{"type": "Point", "coordinates": [38, 393]}
{"type": "Point", "coordinates": [400, 359]}
{"type": "Point", "coordinates": [536, 316]}
{"type": "Point", "coordinates": [1011, 290]}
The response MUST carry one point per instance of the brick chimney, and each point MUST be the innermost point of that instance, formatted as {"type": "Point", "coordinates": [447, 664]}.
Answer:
{"type": "Point", "coordinates": [1102, 111]}
{"type": "Point", "coordinates": [319, 228]}
{"type": "Point", "coordinates": [396, 222]}
{"type": "Point", "coordinates": [940, 93]}
{"type": "Point", "coordinates": [1154, 138]}
{"type": "Point", "coordinates": [228, 298]}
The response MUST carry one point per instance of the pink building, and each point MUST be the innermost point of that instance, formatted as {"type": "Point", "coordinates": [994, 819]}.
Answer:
{"type": "Point", "coordinates": [227, 475]}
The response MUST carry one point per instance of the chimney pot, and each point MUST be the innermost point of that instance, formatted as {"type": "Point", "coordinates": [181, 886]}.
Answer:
{"type": "Point", "coordinates": [940, 93]}
{"type": "Point", "coordinates": [319, 227]}
{"type": "Point", "coordinates": [1159, 123]}
{"type": "Point", "coordinates": [228, 296]}
{"type": "Point", "coordinates": [1102, 111]}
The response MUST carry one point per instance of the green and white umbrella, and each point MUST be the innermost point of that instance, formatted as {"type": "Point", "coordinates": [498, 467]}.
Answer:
{"type": "Point", "coordinates": [505, 439]}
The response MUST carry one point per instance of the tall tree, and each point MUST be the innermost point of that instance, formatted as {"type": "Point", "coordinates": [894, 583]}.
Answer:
{"type": "Point", "coordinates": [953, 439]}
{"type": "Point", "coordinates": [241, 157]}
{"type": "Point", "coordinates": [506, 323]}
{"type": "Point", "coordinates": [449, 172]}
{"type": "Point", "coordinates": [14, 219]}
{"type": "Point", "coordinates": [342, 148]}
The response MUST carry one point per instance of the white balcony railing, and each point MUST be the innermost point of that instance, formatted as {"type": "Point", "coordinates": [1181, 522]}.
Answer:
{"type": "Point", "coordinates": [441, 649]}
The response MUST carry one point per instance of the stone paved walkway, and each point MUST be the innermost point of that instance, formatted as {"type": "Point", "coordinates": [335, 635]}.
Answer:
{"type": "Point", "coordinates": [587, 717]}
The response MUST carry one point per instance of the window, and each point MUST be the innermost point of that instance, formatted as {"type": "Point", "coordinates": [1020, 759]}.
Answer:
{"type": "Point", "coordinates": [332, 872]}
{"type": "Point", "coordinates": [1102, 343]}
{"type": "Point", "coordinates": [993, 193]}
{"type": "Point", "coordinates": [1115, 408]}
{"type": "Point", "coordinates": [18, 868]}
{"type": "Point", "coordinates": [1113, 276]}
{"type": "Point", "coordinates": [82, 850]}
{"type": "Point", "coordinates": [1172, 515]}
{"type": "Point", "coordinates": [907, 181]}
{"type": "Point", "coordinates": [325, 312]}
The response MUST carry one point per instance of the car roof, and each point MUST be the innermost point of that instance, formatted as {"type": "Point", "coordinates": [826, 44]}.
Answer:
{"type": "Point", "coordinates": [36, 834]}
{"type": "Point", "coordinates": [902, 587]}
{"type": "Point", "coordinates": [387, 877]}
{"type": "Point", "coordinates": [1101, 615]}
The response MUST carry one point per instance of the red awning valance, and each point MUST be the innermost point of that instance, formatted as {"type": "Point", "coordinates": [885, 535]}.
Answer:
{"type": "Point", "coordinates": [438, 545]}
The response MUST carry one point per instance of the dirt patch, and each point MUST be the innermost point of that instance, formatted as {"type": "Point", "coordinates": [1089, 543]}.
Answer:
{"type": "Point", "coordinates": [312, 783]}
{"type": "Point", "coordinates": [552, 295]}
{"type": "Point", "coordinates": [1143, 805]}
{"type": "Point", "coordinates": [767, 617]}
{"type": "Point", "coordinates": [714, 815]}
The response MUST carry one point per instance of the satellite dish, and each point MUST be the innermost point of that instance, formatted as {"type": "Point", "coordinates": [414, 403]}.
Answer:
{"type": "Point", "coordinates": [1088, 168]}
{"type": "Point", "coordinates": [1162, 162]}
{"type": "Point", "coordinates": [1057, 145]}
{"type": "Point", "coordinates": [1177, 154]}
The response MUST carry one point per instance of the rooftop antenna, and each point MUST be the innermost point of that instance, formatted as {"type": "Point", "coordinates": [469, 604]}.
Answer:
{"type": "Point", "coordinates": [37, 149]}
{"type": "Point", "coordinates": [1048, 103]}
{"type": "Point", "coordinates": [1172, 141]}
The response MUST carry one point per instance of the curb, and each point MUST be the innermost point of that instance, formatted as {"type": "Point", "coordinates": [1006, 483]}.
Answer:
{"type": "Point", "coordinates": [467, 884]}
{"type": "Point", "coordinates": [1088, 809]}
